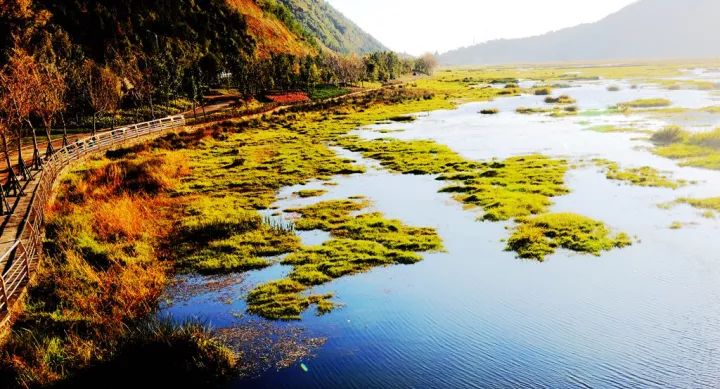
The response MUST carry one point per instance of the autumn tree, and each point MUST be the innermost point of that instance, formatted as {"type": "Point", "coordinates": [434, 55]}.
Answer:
{"type": "Point", "coordinates": [19, 80]}
{"type": "Point", "coordinates": [50, 100]}
{"type": "Point", "coordinates": [103, 89]}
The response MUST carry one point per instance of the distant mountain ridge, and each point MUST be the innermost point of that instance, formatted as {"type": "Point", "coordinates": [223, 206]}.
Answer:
{"type": "Point", "coordinates": [646, 29]}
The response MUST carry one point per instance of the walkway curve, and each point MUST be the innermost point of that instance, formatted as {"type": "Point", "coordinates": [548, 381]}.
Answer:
{"type": "Point", "coordinates": [22, 234]}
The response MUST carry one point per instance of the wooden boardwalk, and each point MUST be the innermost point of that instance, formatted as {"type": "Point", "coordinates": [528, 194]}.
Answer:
{"type": "Point", "coordinates": [19, 208]}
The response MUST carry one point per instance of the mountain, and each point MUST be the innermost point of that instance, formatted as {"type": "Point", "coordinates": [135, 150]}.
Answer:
{"type": "Point", "coordinates": [331, 27]}
{"type": "Point", "coordinates": [647, 29]}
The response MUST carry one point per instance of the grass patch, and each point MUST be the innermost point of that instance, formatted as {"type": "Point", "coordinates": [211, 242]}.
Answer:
{"type": "Point", "coordinates": [532, 110]}
{"type": "Point", "coordinates": [402, 118]}
{"type": "Point", "coordinates": [359, 243]}
{"type": "Point", "coordinates": [305, 193]}
{"type": "Point", "coordinates": [643, 176]}
{"type": "Point", "coordinates": [609, 128]}
{"type": "Point", "coordinates": [489, 111]}
{"type": "Point", "coordinates": [710, 205]}
{"type": "Point", "coordinates": [692, 149]}
{"type": "Point", "coordinates": [513, 188]}
{"type": "Point", "coordinates": [327, 92]}
{"type": "Point", "coordinates": [646, 103]}
{"type": "Point", "coordinates": [540, 236]}
{"type": "Point", "coordinates": [563, 99]}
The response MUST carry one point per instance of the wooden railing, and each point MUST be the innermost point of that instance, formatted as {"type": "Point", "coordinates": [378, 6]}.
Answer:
{"type": "Point", "coordinates": [20, 260]}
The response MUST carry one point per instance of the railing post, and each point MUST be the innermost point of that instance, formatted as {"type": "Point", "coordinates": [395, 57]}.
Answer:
{"type": "Point", "coordinates": [26, 260]}
{"type": "Point", "coordinates": [3, 294]}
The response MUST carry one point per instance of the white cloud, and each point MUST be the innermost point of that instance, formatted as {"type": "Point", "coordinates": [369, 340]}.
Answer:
{"type": "Point", "coordinates": [417, 26]}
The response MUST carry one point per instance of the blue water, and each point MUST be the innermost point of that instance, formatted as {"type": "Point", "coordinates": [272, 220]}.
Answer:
{"type": "Point", "coordinates": [475, 316]}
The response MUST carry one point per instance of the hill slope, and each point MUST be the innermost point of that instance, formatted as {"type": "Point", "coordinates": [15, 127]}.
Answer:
{"type": "Point", "coordinates": [647, 29]}
{"type": "Point", "coordinates": [331, 27]}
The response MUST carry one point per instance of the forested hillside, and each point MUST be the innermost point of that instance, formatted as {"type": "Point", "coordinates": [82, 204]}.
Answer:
{"type": "Point", "coordinates": [137, 53]}
{"type": "Point", "coordinates": [331, 27]}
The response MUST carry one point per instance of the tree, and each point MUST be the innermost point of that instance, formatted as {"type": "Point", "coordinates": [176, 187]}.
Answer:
{"type": "Point", "coordinates": [19, 80]}
{"type": "Point", "coordinates": [50, 100]}
{"type": "Point", "coordinates": [426, 63]}
{"type": "Point", "coordinates": [103, 89]}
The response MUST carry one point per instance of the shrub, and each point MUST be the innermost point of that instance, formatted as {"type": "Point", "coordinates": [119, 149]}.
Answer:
{"type": "Point", "coordinates": [668, 135]}
{"type": "Point", "coordinates": [709, 139]}
{"type": "Point", "coordinates": [564, 99]}
{"type": "Point", "coordinates": [544, 91]}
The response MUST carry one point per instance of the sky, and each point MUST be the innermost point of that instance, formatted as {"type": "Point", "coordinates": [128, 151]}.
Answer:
{"type": "Point", "coordinates": [419, 26]}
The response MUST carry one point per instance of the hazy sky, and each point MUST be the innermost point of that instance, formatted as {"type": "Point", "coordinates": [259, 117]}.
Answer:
{"type": "Point", "coordinates": [417, 26]}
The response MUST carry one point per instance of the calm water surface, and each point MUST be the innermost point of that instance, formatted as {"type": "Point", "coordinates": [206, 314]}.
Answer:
{"type": "Point", "coordinates": [475, 316]}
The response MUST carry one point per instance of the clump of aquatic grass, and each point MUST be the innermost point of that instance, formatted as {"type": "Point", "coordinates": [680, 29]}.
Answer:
{"type": "Point", "coordinates": [613, 88]}
{"type": "Point", "coordinates": [513, 188]}
{"type": "Point", "coordinates": [646, 103]}
{"type": "Point", "coordinates": [282, 300]}
{"type": "Point", "coordinates": [564, 111]}
{"type": "Point", "coordinates": [563, 99]}
{"type": "Point", "coordinates": [668, 135]}
{"type": "Point", "coordinates": [416, 157]}
{"type": "Point", "coordinates": [709, 139]}
{"type": "Point", "coordinates": [402, 118]}
{"type": "Point", "coordinates": [326, 215]}
{"type": "Point", "coordinates": [543, 91]}
{"type": "Point", "coordinates": [489, 111]}
{"type": "Point", "coordinates": [694, 149]}
{"type": "Point", "coordinates": [272, 158]}
{"type": "Point", "coordinates": [539, 236]}
{"type": "Point", "coordinates": [216, 237]}
{"type": "Point", "coordinates": [609, 128]}
{"type": "Point", "coordinates": [390, 233]}
{"type": "Point", "coordinates": [305, 193]}
{"type": "Point", "coordinates": [710, 205]}
{"type": "Point", "coordinates": [532, 110]}
{"type": "Point", "coordinates": [359, 243]}
{"type": "Point", "coordinates": [643, 176]}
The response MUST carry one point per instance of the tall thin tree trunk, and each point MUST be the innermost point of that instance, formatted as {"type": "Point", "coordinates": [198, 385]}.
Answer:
{"type": "Point", "coordinates": [94, 119]}
{"type": "Point", "coordinates": [152, 108]}
{"type": "Point", "coordinates": [13, 184]}
{"type": "Point", "coordinates": [65, 138]}
{"type": "Point", "coordinates": [50, 149]}
{"type": "Point", "coordinates": [21, 162]}
{"type": "Point", "coordinates": [37, 160]}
